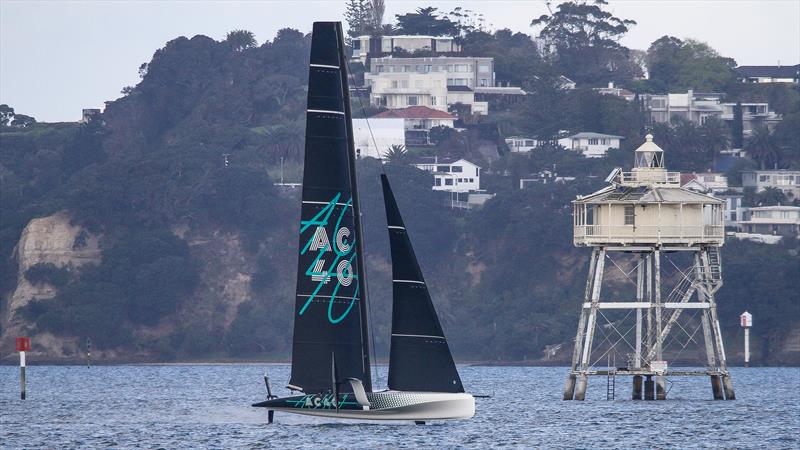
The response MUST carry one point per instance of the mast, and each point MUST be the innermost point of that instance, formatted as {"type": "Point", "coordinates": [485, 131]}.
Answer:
{"type": "Point", "coordinates": [351, 148]}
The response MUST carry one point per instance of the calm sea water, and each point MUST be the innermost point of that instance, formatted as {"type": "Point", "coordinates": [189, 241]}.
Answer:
{"type": "Point", "coordinates": [207, 406]}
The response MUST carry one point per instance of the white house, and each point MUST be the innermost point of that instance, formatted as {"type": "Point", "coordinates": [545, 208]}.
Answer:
{"type": "Point", "coordinates": [591, 145]}
{"type": "Point", "coordinates": [774, 220]}
{"type": "Point", "coordinates": [400, 90]}
{"type": "Point", "coordinates": [786, 180]}
{"type": "Point", "coordinates": [469, 71]}
{"type": "Point", "coordinates": [453, 175]}
{"type": "Point", "coordinates": [544, 177]}
{"type": "Point", "coordinates": [753, 115]}
{"type": "Point", "coordinates": [395, 90]}
{"type": "Point", "coordinates": [699, 107]}
{"type": "Point", "coordinates": [520, 144]}
{"type": "Point", "coordinates": [418, 121]}
{"type": "Point", "coordinates": [375, 46]}
{"type": "Point", "coordinates": [769, 74]}
{"type": "Point", "coordinates": [374, 139]}
{"type": "Point", "coordinates": [733, 207]}
{"type": "Point", "coordinates": [706, 182]}
{"type": "Point", "coordinates": [615, 91]}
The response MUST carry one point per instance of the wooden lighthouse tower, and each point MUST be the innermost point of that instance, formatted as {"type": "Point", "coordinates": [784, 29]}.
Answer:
{"type": "Point", "coordinates": [660, 243]}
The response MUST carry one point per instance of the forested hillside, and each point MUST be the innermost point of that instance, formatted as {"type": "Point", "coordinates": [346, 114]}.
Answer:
{"type": "Point", "coordinates": [175, 243]}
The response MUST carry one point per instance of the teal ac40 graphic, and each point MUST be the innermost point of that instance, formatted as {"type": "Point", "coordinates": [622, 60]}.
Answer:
{"type": "Point", "coordinates": [343, 255]}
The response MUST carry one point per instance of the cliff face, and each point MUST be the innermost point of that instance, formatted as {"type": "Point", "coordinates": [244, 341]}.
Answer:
{"type": "Point", "coordinates": [54, 240]}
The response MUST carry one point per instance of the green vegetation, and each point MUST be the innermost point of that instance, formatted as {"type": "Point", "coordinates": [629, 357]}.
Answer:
{"type": "Point", "coordinates": [189, 156]}
{"type": "Point", "coordinates": [49, 273]}
{"type": "Point", "coordinates": [143, 277]}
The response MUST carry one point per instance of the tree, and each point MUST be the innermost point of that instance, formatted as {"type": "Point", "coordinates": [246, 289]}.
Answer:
{"type": "Point", "coordinates": [704, 69]}
{"type": "Point", "coordinates": [586, 40]}
{"type": "Point", "coordinates": [714, 135]}
{"type": "Point", "coordinates": [761, 146]}
{"type": "Point", "coordinates": [675, 65]}
{"type": "Point", "coordinates": [6, 114]}
{"type": "Point", "coordinates": [787, 136]}
{"type": "Point", "coordinates": [359, 17]}
{"type": "Point", "coordinates": [22, 121]}
{"type": "Point", "coordinates": [426, 21]}
{"type": "Point", "coordinates": [240, 40]}
{"type": "Point", "coordinates": [440, 134]}
{"type": "Point", "coordinates": [396, 154]}
{"type": "Point", "coordinates": [377, 10]}
{"type": "Point", "coordinates": [663, 61]}
{"type": "Point", "coordinates": [467, 21]}
{"type": "Point", "coordinates": [516, 57]}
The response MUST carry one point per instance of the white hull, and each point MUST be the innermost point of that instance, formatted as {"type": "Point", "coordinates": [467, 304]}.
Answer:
{"type": "Point", "coordinates": [399, 405]}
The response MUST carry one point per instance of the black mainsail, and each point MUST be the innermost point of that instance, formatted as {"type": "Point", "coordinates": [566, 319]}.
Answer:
{"type": "Point", "coordinates": [419, 358]}
{"type": "Point", "coordinates": [330, 324]}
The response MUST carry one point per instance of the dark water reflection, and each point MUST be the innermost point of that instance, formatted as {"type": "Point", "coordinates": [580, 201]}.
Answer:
{"type": "Point", "coordinates": [207, 406]}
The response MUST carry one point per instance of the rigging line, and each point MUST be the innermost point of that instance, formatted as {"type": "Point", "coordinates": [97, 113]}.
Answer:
{"type": "Point", "coordinates": [363, 247]}
{"type": "Point", "coordinates": [366, 119]}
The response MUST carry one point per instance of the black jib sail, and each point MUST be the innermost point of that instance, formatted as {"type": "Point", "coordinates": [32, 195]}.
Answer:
{"type": "Point", "coordinates": [330, 308]}
{"type": "Point", "coordinates": [419, 358]}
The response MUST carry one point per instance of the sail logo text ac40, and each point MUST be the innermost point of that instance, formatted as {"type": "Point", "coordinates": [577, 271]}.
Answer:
{"type": "Point", "coordinates": [334, 258]}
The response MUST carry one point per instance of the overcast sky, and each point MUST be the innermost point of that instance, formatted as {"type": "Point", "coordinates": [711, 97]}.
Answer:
{"type": "Point", "coordinates": [57, 57]}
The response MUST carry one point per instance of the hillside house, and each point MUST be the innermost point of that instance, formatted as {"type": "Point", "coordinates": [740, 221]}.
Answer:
{"type": "Point", "coordinates": [543, 177]}
{"type": "Point", "coordinates": [701, 107]}
{"type": "Point", "coordinates": [787, 181]}
{"type": "Point", "coordinates": [453, 175]}
{"type": "Point", "coordinates": [466, 71]}
{"type": "Point", "coordinates": [772, 220]}
{"type": "Point", "coordinates": [365, 47]}
{"type": "Point", "coordinates": [591, 145]}
{"type": "Point", "coordinates": [500, 95]}
{"type": "Point", "coordinates": [753, 115]}
{"type": "Point", "coordinates": [89, 114]}
{"type": "Point", "coordinates": [375, 138]}
{"type": "Point", "coordinates": [465, 96]}
{"type": "Point", "coordinates": [706, 182]}
{"type": "Point", "coordinates": [417, 122]}
{"type": "Point", "coordinates": [733, 207]}
{"type": "Point", "coordinates": [769, 74]}
{"type": "Point", "coordinates": [520, 144]}
{"type": "Point", "coordinates": [615, 91]}
{"type": "Point", "coordinates": [401, 90]}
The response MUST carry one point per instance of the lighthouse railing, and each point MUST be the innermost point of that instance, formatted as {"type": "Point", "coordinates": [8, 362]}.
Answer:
{"type": "Point", "coordinates": [647, 233]}
{"type": "Point", "coordinates": [650, 177]}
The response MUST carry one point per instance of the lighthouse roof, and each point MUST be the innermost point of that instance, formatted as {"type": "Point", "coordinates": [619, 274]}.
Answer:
{"type": "Point", "coordinates": [649, 145]}
{"type": "Point", "coordinates": [647, 194]}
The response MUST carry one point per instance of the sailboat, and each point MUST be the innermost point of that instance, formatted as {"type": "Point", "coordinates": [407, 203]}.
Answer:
{"type": "Point", "coordinates": [331, 371]}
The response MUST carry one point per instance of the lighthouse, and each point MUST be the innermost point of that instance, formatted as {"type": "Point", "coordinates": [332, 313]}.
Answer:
{"type": "Point", "coordinates": [660, 245]}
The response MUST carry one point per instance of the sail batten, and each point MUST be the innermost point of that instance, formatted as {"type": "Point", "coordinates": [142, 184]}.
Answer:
{"type": "Point", "coordinates": [419, 358]}
{"type": "Point", "coordinates": [330, 300]}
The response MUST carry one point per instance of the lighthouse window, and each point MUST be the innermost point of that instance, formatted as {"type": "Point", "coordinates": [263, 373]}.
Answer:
{"type": "Point", "coordinates": [629, 215]}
